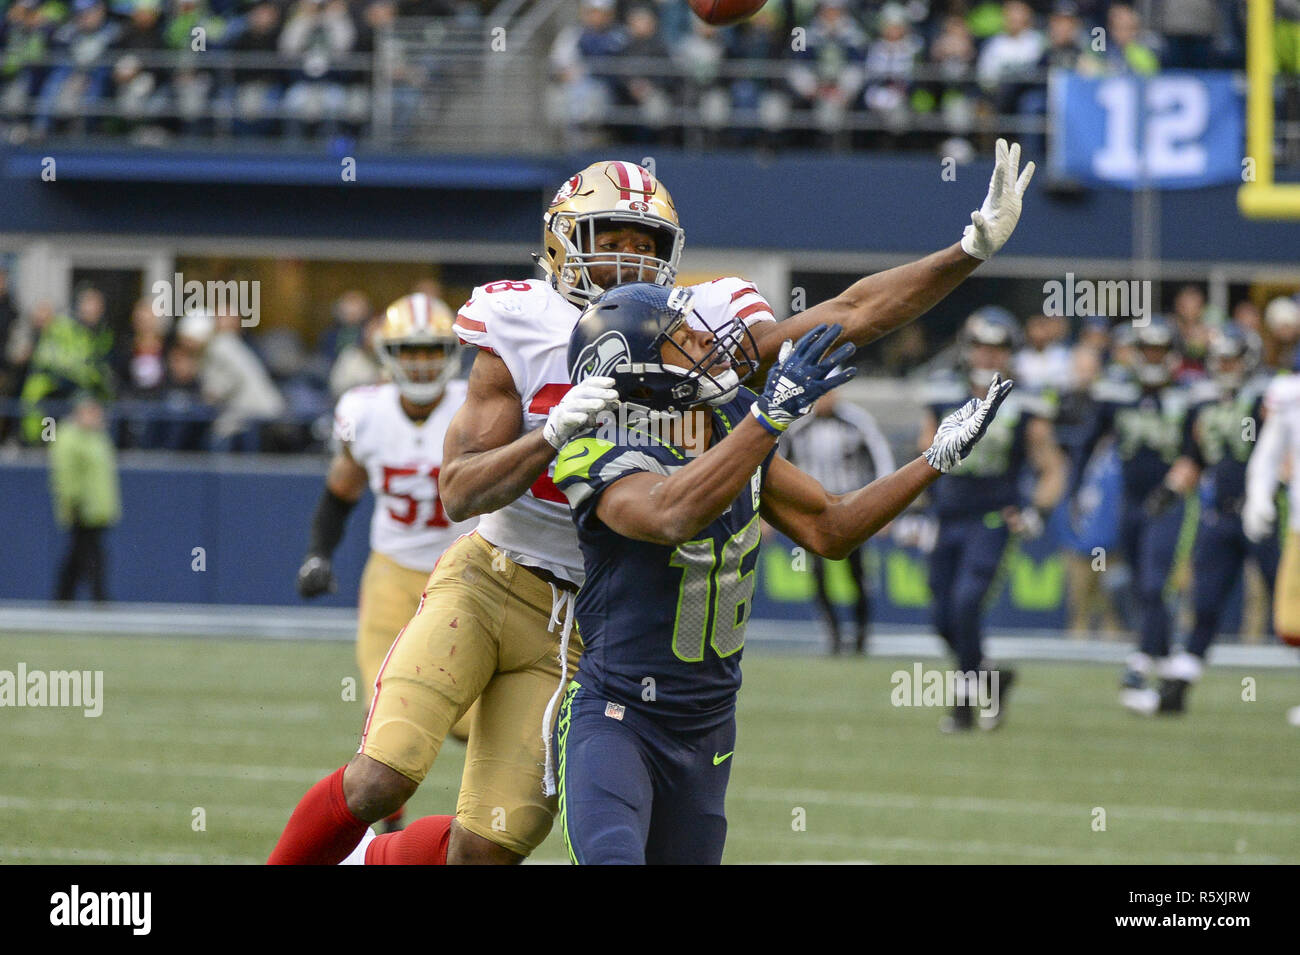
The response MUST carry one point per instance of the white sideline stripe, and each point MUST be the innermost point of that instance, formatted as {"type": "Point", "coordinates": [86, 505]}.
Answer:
{"type": "Point", "coordinates": [238, 771]}
{"type": "Point", "coordinates": [340, 624]}
{"type": "Point", "coordinates": [78, 854]}
{"type": "Point", "coordinates": [28, 804]}
{"type": "Point", "coordinates": [980, 804]}
{"type": "Point", "coordinates": [1050, 853]}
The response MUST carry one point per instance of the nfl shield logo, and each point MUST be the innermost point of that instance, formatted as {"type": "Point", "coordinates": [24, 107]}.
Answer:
{"type": "Point", "coordinates": [614, 711]}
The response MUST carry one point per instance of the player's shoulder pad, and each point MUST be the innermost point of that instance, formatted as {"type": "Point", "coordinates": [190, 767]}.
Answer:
{"type": "Point", "coordinates": [499, 303]}
{"type": "Point", "coordinates": [731, 297]}
{"type": "Point", "coordinates": [1203, 391]}
{"type": "Point", "coordinates": [1283, 392]}
{"type": "Point", "coordinates": [944, 389]}
{"type": "Point", "coordinates": [355, 408]}
{"type": "Point", "coordinates": [589, 463]}
{"type": "Point", "coordinates": [1032, 404]}
{"type": "Point", "coordinates": [1113, 387]}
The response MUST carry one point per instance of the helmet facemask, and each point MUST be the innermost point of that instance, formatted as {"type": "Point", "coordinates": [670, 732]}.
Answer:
{"type": "Point", "coordinates": [1232, 360]}
{"type": "Point", "coordinates": [421, 370]}
{"type": "Point", "coordinates": [577, 233]}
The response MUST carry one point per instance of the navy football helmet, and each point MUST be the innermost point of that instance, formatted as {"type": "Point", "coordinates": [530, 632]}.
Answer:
{"type": "Point", "coordinates": [992, 325]}
{"type": "Point", "coordinates": [1157, 358]}
{"type": "Point", "coordinates": [626, 334]}
{"type": "Point", "coordinates": [1234, 355]}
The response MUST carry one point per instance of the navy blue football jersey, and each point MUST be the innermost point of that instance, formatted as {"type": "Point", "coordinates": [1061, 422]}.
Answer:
{"type": "Point", "coordinates": [1152, 428]}
{"type": "Point", "coordinates": [662, 627]}
{"type": "Point", "coordinates": [989, 477]}
{"type": "Point", "coordinates": [1224, 430]}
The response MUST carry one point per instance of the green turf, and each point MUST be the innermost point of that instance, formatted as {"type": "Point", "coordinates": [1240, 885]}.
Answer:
{"type": "Point", "coordinates": [242, 728]}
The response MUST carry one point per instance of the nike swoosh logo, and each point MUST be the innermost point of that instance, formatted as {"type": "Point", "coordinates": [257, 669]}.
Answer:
{"type": "Point", "coordinates": [718, 760]}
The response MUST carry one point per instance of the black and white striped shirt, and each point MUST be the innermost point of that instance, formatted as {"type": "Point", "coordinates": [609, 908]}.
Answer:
{"type": "Point", "coordinates": [843, 451]}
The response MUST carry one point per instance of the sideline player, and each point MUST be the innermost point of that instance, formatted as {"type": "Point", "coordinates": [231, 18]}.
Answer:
{"type": "Point", "coordinates": [1149, 415]}
{"type": "Point", "coordinates": [1277, 453]}
{"type": "Point", "coordinates": [979, 507]}
{"type": "Point", "coordinates": [502, 598]}
{"type": "Point", "coordinates": [669, 529]}
{"type": "Point", "coordinates": [1223, 437]}
{"type": "Point", "coordinates": [390, 439]}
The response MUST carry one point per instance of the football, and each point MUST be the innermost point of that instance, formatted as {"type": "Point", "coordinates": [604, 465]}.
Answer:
{"type": "Point", "coordinates": [720, 13]}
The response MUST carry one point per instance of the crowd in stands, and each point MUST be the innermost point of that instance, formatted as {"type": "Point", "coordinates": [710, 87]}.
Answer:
{"type": "Point", "coordinates": [197, 383]}
{"type": "Point", "coordinates": [144, 67]}
{"type": "Point", "coordinates": [892, 73]}
{"type": "Point", "coordinates": [899, 72]}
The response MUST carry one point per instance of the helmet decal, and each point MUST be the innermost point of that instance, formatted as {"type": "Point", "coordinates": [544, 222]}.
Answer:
{"type": "Point", "coordinates": [567, 190]}
{"type": "Point", "coordinates": [602, 356]}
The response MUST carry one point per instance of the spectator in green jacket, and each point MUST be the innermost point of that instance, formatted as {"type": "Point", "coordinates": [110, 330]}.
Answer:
{"type": "Point", "coordinates": [71, 355]}
{"type": "Point", "coordinates": [83, 481]}
{"type": "Point", "coordinates": [1129, 48]}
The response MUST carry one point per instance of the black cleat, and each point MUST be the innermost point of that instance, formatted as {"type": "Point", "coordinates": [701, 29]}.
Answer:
{"type": "Point", "coordinates": [959, 720]}
{"type": "Point", "coordinates": [1006, 679]}
{"type": "Point", "coordinates": [1173, 696]}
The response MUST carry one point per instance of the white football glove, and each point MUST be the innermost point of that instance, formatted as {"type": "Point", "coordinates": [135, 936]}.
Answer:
{"type": "Point", "coordinates": [1258, 515]}
{"type": "Point", "coordinates": [578, 410]}
{"type": "Point", "coordinates": [959, 432]}
{"type": "Point", "coordinates": [1027, 523]}
{"type": "Point", "coordinates": [992, 223]}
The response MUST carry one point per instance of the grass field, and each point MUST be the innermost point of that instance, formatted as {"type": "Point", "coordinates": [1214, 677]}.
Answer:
{"type": "Point", "coordinates": [241, 729]}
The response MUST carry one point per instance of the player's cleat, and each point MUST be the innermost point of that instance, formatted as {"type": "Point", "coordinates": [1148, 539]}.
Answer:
{"type": "Point", "coordinates": [1293, 716]}
{"type": "Point", "coordinates": [991, 721]}
{"type": "Point", "coordinates": [1133, 680]}
{"type": "Point", "coordinates": [1144, 701]}
{"type": "Point", "coordinates": [358, 855]}
{"type": "Point", "coordinates": [959, 720]}
{"type": "Point", "coordinates": [1173, 694]}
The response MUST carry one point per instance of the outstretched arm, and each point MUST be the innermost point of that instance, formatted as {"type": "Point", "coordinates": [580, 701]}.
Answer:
{"type": "Point", "coordinates": [671, 510]}
{"type": "Point", "coordinates": [878, 304]}
{"type": "Point", "coordinates": [835, 525]}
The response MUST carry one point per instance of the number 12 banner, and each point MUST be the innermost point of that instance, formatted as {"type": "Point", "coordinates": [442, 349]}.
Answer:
{"type": "Point", "coordinates": [1175, 130]}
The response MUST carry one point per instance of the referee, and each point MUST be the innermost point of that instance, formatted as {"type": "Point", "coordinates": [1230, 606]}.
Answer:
{"type": "Point", "coordinates": [843, 448]}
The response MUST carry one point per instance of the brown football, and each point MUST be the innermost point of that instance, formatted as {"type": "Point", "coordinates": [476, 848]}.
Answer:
{"type": "Point", "coordinates": [723, 12]}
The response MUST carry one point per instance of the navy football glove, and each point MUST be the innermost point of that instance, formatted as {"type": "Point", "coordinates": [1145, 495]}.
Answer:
{"type": "Point", "coordinates": [803, 373]}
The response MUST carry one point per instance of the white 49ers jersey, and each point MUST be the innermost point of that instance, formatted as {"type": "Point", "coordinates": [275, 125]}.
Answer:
{"type": "Point", "coordinates": [1277, 453]}
{"type": "Point", "coordinates": [402, 460]}
{"type": "Point", "coordinates": [527, 324]}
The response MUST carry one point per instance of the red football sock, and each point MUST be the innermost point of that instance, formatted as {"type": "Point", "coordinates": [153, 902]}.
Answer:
{"type": "Point", "coordinates": [322, 830]}
{"type": "Point", "coordinates": [423, 842]}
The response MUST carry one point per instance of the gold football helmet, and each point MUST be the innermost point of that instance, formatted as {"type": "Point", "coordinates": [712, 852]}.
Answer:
{"type": "Point", "coordinates": [417, 347]}
{"type": "Point", "coordinates": [608, 195]}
